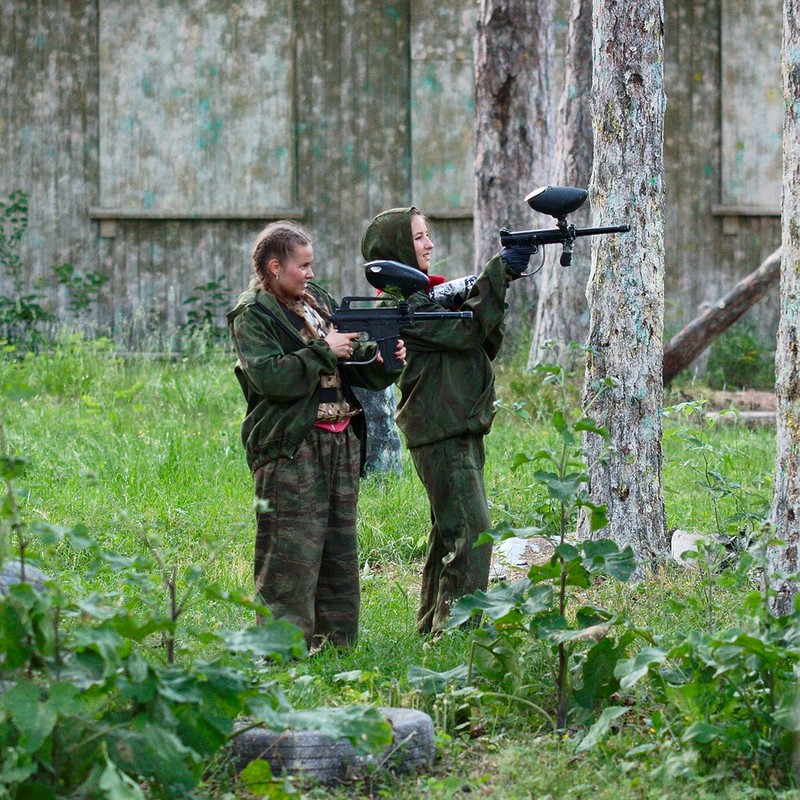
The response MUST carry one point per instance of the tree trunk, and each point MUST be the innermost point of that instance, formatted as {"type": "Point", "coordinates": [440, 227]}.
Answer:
{"type": "Point", "coordinates": [626, 284]}
{"type": "Point", "coordinates": [513, 127]}
{"type": "Point", "coordinates": [562, 315]}
{"type": "Point", "coordinates": [785, 558]}
{"type": "Point", "coordinates": [687, 344]}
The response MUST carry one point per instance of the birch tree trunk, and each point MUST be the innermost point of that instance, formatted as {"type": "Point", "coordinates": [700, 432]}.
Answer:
{"type": "Point", "coordinates": [784, 559]}
{"type": "Point", "coordinates": [626, 284]}
{"type": "Point", "coordinates": [513, 127]}
{"type": "Point", "coordinates": [561, 311]}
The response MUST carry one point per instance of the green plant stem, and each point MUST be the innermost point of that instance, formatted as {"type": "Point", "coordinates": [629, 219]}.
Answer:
{"type": "Point", "coordinates": [471, 662]}
{"type": "Point", "coordinates": [523, 701]}
{"type": "Point", "coordinates": [562, 678]}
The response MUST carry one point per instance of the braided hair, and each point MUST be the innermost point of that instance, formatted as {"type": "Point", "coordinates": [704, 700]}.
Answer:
{"type": "Point", "coordinates": [277, 240]}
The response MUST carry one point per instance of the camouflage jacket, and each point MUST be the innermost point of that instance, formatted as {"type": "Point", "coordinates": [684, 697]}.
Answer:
{"type": "Point", "coordinates": [447, 386]}
{"type": "Point", "coordinates": [280, 375]}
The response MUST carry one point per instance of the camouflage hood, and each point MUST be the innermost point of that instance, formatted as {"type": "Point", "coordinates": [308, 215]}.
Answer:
{"type": "Point", "coordinates": [388, 237]}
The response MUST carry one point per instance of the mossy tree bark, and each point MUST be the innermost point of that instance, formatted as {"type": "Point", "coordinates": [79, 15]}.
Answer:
{"type": "Point", "coordinates": [562, 315]}
{"type": "Point", "coordinates": [513, 125]}
{"type": "Point", "coordinates": [785, 558]}
{"type": "Point", "coordinates": [626, 283]}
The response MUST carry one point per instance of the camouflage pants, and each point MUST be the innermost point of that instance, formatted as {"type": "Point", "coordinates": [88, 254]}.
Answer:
{"type": "Point", "coordinates": [452, 474]}
{"type": "Point", "coordinates": [306, 557]}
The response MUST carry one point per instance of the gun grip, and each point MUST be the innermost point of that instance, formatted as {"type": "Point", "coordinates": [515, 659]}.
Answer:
{"type": "Point", "coordinates": [390, 362]}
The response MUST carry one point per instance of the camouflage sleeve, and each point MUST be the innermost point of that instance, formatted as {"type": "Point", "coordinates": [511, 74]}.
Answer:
{"type": "Point", "coordinates": [280, 375]}
{"type": "Point", "coordinates": [486, 301]}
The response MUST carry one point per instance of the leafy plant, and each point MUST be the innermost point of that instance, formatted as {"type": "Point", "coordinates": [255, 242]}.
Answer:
{"type": "Point", "coordinates": [83, 290]}
{"type": "Point", "coordinates": [741, 357]}
{"type": "Point", "coordinates": [14, 218]}
{"type": "Point", "coordinates": [727, 699]}
{"type": "Point", "coordinates": [112, 694]}
{"type": "Point", "coordinates": [207, 305]}
{"type": "Point", "coordinates": [738, 510]}
{"type": "Point", "coordinates": [537, 607]}
{"type": "Point", "coordinates": [21, 311]}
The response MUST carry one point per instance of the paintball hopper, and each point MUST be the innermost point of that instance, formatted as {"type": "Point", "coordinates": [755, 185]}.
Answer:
{"type": "Point", "coordinates": [557, 201]}
{"type": "Point", "coordinates": [395, 278]}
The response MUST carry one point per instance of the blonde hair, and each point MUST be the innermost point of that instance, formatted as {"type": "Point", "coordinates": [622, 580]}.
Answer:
{"type": "Point", "coordinates": [277, 240]}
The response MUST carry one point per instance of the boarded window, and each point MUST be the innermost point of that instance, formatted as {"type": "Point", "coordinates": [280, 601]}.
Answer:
{"type": "Point", "coordinates": [196, 111]}
{"type": "Point", "coordinates": [752, 104]}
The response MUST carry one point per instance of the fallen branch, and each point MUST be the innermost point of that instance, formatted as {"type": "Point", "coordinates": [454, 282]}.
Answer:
{"type": "Point", "coordinates": [688, 343]}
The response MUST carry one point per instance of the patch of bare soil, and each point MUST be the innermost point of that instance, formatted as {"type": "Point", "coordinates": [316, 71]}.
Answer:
{"type": "Point", "coordinates": [718, 400]}
{"type": "Point", "coordinates": [512, 558]}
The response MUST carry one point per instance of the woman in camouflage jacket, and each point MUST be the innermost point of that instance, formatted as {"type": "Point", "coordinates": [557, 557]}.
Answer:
{"type": "Point", "coordinates": [447, 407]}
{"type": "Point", "coordinates": [304, 437]}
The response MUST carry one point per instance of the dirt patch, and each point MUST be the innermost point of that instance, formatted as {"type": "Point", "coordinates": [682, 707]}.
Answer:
{"type": "Point", "coordinates": [717, 400]}
{"type": "Point", "coordinates": [512, 558]}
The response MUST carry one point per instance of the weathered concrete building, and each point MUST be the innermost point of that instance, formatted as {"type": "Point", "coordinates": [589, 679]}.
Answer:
{"type": "Point", "coordinates": [156, 137]}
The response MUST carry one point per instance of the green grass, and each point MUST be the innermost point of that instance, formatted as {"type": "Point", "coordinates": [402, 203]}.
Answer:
{"type": "Point", "coordinates": [141, 447]}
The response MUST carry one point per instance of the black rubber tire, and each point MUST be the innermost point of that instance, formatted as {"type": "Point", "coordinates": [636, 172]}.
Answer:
{"type": "Point", "coordinates": [11, 573]}
{"type": "Point", "coordinates": [314, 755]}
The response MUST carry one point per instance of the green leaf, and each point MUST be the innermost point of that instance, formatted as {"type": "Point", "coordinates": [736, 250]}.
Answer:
{"type": "Point", "coordinates": [363, 726]}
{"type": "Point", "coordinates": [600, 729]}
{"type": "Point", "coordinates": [539, 599]}
{"type": "Point", "coordinates": [277, 639]}
{"type": "Point", "coordinates": [568, 552]}
{"type": "Point", "coordinates": [703, 733]}
{"type": "Point", "coordinates": [590, 426]}
{"type": "Point", "coordinates": [12, 467]}
{"type": "Point", "coordinates": [604, 556]}
{"type": "Point", "coordinates": [598, 514]}
{"type": "Point", "coordinates": [32, 716]}
{"type": "Point", "coordinates": [560, 489]}
{"type": "Point", "coordinates": [577, 574]}
{"type": "Point", "coordinates": [596, 678]}
{"type": "Point", "coordinates": [436, 682]}
{"type": "Point", "coordinates": [16, 766]}
{"type": "Point", "coordinates": [496, 657]}
{"type": "Point", "coordinates": [498, 602]}
{"type": "Point", "coordinates": [116, 785]}
{"type": "Point", "coordinates": [631, 670]}
{"type": "Point", "coordinates": [66, 700]}
{"type": "Point", "coordinates": [217, 699]}
{"type": "Point", "coordinates": [103, 640]}
{"type": "Point", "coordinates": [155, 752]}
{"type": "Point", "coordinates": [257, 777]}
{"type": "Point", "coordinates": [520, 459]}
{"type": "Point", "coordinates": [35, 790]}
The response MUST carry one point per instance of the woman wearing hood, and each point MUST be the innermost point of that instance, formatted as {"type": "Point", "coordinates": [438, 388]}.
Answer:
{"type": "Point", "coordinates": [304, 436]}
{"type": "Point", "coordinates": [446, 407]}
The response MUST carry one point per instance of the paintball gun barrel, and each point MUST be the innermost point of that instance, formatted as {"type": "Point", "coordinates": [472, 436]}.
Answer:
{"type": "Point", "coordinates": [557, 201]}
{"type": "Point", "coordinates": [382, 324]}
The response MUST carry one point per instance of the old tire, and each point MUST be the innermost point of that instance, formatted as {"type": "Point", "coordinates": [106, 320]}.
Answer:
{"type": "Point", "coordinates": [11, 573]}
{"type": "Point", "coordinates": [314, 755]}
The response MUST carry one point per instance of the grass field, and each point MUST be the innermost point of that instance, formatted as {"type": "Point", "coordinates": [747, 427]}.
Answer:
{"type": "Point", "coordinates": [144, 447]}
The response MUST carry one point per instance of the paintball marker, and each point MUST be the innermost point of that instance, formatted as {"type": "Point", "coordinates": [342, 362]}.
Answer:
{"type": "Point", "coordinates": [557, 201]}
{"type": "Point", "coordinates": [382, 324]}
